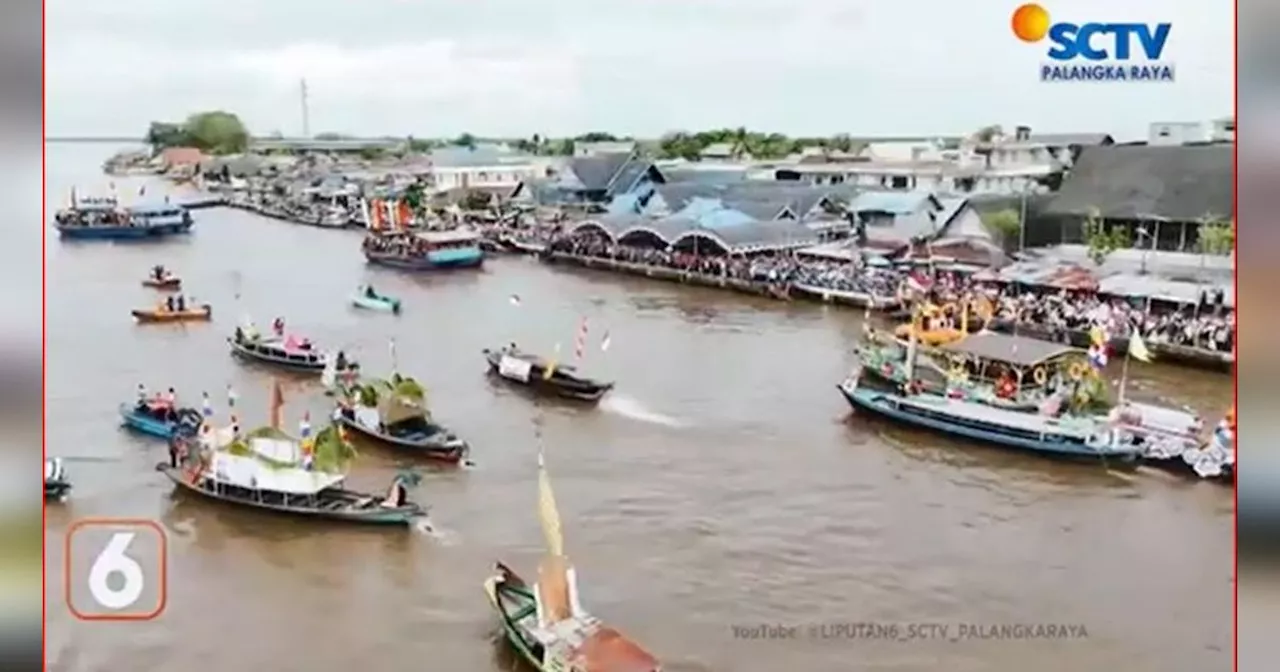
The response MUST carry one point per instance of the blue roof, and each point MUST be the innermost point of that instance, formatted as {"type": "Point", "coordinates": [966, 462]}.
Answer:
{"type": "Point", "coordinates": [892, 202]}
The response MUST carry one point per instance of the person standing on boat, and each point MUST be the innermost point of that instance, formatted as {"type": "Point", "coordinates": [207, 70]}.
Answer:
{"type": "Point", "coordinates": [168, 303]}
{"type": "Point", "coordinates": [181, 303]}
{"type": "Point", "coordinates": [142, 394]}
{"type": "Point", "coordinates": [278, 327]}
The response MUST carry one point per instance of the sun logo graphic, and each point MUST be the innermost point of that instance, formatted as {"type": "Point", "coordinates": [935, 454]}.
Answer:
{"type": "Point", "coordinates": [1095, 51]}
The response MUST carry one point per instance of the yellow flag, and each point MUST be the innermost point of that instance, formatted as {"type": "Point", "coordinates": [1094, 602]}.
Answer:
{"type": "Point", "coordinates": [549, 370]}
{"type": "Point", "coordinates": [1138, 349]}
{"type": "Point", "coordinates": [548, 514]}
{"type": "Point", "coordinates": [1097, 336]}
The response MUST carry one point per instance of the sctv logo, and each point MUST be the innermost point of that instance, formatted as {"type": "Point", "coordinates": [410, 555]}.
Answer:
{"type": "Point", "coordinates": [1096, 52]}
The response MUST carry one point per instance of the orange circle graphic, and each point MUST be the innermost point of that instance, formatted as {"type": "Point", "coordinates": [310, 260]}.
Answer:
{"type": "Point", "coordinates": [1030, 22]}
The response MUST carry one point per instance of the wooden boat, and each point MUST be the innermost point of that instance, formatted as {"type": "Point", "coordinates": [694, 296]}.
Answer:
{"type": "Point", "coordinates": [394, 413]}
{"type": "Point", "coordinates": [294, 355]}
{"type": "Point", "coordinates": [1072, 438]}
{"type": "Point", "coordinates": [365, 297]}
{"type": "Point", "coordinates": [56, 484]}
{"type": "Point", "coordinates": [269, 470]}
{"type": "Point", "coordinates": [531, 371]}
{"type": "Point", "coordinates": [158, 418]}
{"type": "Point", "coordinates": [425, 251]}
{"type": "Point", "coordinates": [544, 621]}
{"type": "Point", "coordinates": [168, 282]}
{"type": "Point", "coordinates": [155, 315]}
{"type": "Point", "coordinates": [106, 219]}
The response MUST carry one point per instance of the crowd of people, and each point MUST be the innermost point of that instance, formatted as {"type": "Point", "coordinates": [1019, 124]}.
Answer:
{"type": "Point", "coordinates": [1208, 325]}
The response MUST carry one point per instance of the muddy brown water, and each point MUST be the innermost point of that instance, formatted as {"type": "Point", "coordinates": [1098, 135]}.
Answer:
{"type": "Point", "coordinates": [723, 484]}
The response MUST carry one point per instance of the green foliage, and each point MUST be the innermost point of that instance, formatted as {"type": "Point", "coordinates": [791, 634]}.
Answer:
{"type": "Point", "coordinates": [465, 140]}
{"type": "Point", "coordinates": [415, 196]}
{"type": "Point", "coordinates": [372, 153]}
{"type": "Point", "coordinates": [475, 199]}
{"type": "Point", "coordinates": [1102, 239]}
{"type": "Point", "coordinates": [1005, 223]}
{"type": "Point", "coordinates": [682, 144]}
{"type": "Point", "coordinates": [371, 392]}
{"type": "Point", "coordinates": [420, 146]}
{"type": "Point", "coordinates": [214, 132]}
{"type": "Point", "coordinates": [1216, 236]}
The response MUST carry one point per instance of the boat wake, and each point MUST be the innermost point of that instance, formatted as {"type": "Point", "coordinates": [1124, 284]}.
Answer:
{"type": "Point", "coordinates": [437, 533]}
{"type": "Point", "coordinates": [636, 410]}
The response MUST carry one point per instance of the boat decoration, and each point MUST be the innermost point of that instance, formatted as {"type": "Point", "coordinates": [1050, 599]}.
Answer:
{"type": "Point", "coordinates": [289, 352]}
{"type": "Point", "coordinates": [1175, 443]}
{"type": "Point", "coordinates": [424, 250]}
{"type": "Point", "coordinates": [105, 218]}
{"type": "Point", "coordinates": [367, 297]}
{"type": "Point", "coordinates": [162, 278]}
{"type": "Point", "coordinates": [268, 469]}
{"type": "Point", "coordinates": [394, 413]}
{"type": "Point", "coordinates": [56, 483]}
{"type": "Point", "coordinates": [545, 621]}
{"type": "Point", "coordinates": [1043, 432]}
{"type": "Point", "coordinates": [160, 416]}
{"type": "Point", "coordinates": [544, 376]}
{"type": "Point", "coordinates": [174, 309]}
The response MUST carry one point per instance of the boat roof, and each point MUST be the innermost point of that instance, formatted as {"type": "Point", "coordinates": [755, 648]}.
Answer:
{"type": "Point", "coordinates": [253, 472]}
{"type": "Point", "coordinates": [454, 236]}
{"type": "Point", "coordinates": [1016, 350]}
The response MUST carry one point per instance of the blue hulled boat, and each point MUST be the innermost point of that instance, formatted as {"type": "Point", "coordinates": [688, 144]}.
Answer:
{"type": "Point", "coordinates": [106, 219]}
{"type": "Point", "coordinates": [160, 419]}
{"type": "Point", "coordinates": [424, 251]}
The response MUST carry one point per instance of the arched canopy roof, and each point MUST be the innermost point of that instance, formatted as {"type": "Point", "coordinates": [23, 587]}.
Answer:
{"type": "Point", "coordinates": [738, 236]}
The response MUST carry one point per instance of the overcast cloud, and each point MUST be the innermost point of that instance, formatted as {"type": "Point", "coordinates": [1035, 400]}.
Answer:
{"type": "Point", "coordinates": [515, 67]}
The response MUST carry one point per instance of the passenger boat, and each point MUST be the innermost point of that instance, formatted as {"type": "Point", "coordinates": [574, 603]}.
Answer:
{"type": "Point", "coordinates": [1000, 370]}
{"type": "Point", "coordinates": [160, 418]}
{"type": "Point", "coordinates": [544, 376]}
{"type": "Point", "coordinates": [269, 470]}
{"type": "Point", "coordinates": [424, 251]}
{"type": "Point", "coordinates": [203, 313]}
{"type": "Point", "coordinates": [56, 484]}
{"type": "Point", "coordinates": [1076, 437]}
{"type": "Point", "coordinates": [289, 353]}
{"type": "Point", "coordinates": [366, 297]}
{"type": "Point", "coordinates": [545, 622]}
{"type": "Point", "coordinates": [106, 219]}
{"type": "Point", "coordinates": [394, 413]}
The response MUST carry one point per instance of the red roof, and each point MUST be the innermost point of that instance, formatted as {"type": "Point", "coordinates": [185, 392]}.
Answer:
{"type": "Point", "coordinates": [181, 156]}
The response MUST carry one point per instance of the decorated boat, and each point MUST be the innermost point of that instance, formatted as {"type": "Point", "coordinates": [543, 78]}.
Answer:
{"type": "Point", "coordinates": [56, 483]}
{"type": "Point", "coordinates": [1199, 357]}
{"type": "Point", "coordinates": [269, 470]}
{"type": "Point", "coordinates": [394, 413]}
{"type": "Point", "coordinates": [1044, 433]}
{"type": "Point", "coordinates": [367, 297]}
{"type": "Point", "coordinates": [424, 250]}
{"type": "Point", "coordinates": [160, 417]}
{"type": "Point", "coordinates": [545, 622]}
{"type": "Point", "coordinates": [162, 313]}
{"type": "Point", "coordinates": [287, 352]}
{"type": "Point", "coordinates": [1174, 441]}
{"type": "Point", "coordinates": [107, 219]}
{"type": "Point", "coordinates": [544, 376]}
{"type": "Point", "coordinates": [161, 278]}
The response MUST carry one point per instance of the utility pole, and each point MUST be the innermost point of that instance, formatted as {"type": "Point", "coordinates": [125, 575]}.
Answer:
{"type": "Point", "coordinates": [306, 113]}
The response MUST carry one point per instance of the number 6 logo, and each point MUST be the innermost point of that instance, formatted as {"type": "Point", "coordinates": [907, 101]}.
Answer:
{"type": "Point", "coordinates": [116, 569]}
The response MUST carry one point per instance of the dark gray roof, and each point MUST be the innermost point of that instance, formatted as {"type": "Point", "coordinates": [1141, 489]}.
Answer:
{"type": "Point", "coordinates": [800, 197]}
{"type": "Point", "coordinates": [704, 176]}
{"type": "Point", "coordinates": [1015, 350]}
{"type": "Point", "coordinates": [1179, 183]}
{"type": "Point", "coordinates": [597, 172]}
{"type": "Point", "coordinates": [1068, 139]}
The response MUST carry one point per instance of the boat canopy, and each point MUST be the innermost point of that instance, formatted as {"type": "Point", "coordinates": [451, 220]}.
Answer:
{"type": "Point", "coordinates": [449, 237]}
{"type": "Point", "coordinates": [1019, 351]}
{"type": "Point", "coordinates": [252, 472]}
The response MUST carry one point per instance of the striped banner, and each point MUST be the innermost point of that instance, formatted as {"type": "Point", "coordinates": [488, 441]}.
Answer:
{"type": "Point", "coordinates": [580, 345]}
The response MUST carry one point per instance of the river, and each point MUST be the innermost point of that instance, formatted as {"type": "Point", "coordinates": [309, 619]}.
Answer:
{"type": "Point", "coordinates": [724, 482]}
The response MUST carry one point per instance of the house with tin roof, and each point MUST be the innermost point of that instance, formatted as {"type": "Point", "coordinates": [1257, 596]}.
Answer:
{"type": "Point", "coordinates": [595, 181]}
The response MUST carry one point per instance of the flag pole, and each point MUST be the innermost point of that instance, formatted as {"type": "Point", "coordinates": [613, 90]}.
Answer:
{"type": "Point", "coordinates": [1124, 374]}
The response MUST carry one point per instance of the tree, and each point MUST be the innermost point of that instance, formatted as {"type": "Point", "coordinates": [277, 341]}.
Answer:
{"type": "Point", "coordinates": [465, 140]}
{"type": "Point", "coordinates": [414, 196]}
{"type": "Point", "coordinates": [1006, 224]}
{"type": "Point", "coordinates": [1101, 238]}
{"type": "Point", "coordinates": [841, 142]}
{"type": "Point", "coordinates": [216, 132]}
{"type": "Point", "coordinates": [372, 153]}
{"type": "Point", "coordinates": [162, 134]}
{"type": "Point", "coordinates": [1217, 236]}
{"type": "Point", "coordinates": [475, 199]}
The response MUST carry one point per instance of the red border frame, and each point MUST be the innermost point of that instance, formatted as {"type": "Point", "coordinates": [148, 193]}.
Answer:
{"type": "Point", "coordinates": [116, 522]}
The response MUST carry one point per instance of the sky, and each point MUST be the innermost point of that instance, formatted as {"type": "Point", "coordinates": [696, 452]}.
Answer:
{"type": "Point", "coordinates": [508, 68]}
